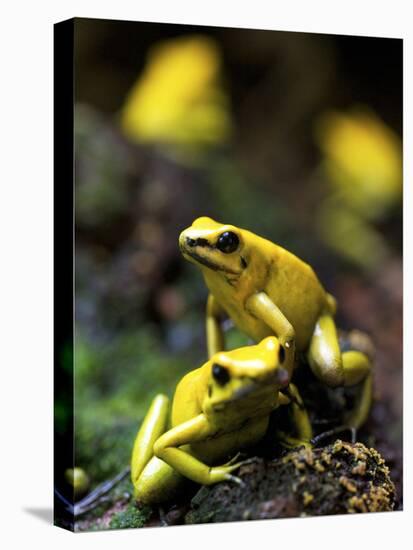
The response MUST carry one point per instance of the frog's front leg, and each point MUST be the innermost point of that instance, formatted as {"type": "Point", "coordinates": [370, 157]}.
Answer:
{"type": "Point", "coordinates": [168, 448]}
{"type": "Point", "coordinates": [261, 306]}
{"type": "Point", "coordinates": [299, 417]}
{"type": "Point", "coordinates": [341, 369]}
{"type": "Point", "coordinates": [214, 332]}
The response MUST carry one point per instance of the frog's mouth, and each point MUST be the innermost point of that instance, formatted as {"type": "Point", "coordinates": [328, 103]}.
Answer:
{"type": "Point", "coordinates": [253, 387]}
{"type": "Point", "coordinates": [198, 258]}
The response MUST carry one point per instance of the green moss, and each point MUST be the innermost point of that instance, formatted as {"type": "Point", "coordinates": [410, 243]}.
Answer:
{"type": "Point", "coordinates": [131, 517]}
{"type": "Point", "coordinates": [114, 386]}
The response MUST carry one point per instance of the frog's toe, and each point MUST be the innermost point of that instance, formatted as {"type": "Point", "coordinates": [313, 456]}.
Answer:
{"type": "Point", "coordinates": [335, 431]}
{"type": "Point", "coordinates": [233, 460]}
{"type": "Point", "coordinates": [234, 479]}
{"type": "Point", "coordinates": [237, 465]}
{"type": "Point", "coordinates": [246, 461]}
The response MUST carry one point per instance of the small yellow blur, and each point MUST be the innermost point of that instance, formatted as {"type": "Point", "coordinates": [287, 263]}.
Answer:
{"type": "Point", "coordinates": [362, 160]}
{"type": "Point", "coordinates": [79, 480]}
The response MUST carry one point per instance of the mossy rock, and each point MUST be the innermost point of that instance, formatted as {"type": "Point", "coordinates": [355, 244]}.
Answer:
{"type": "Point", "coordinates": [130, 518]}
{"type": "Point", "coordinates": [338, 479]}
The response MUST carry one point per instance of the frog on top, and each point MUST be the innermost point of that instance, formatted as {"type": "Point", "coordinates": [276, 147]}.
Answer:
{"type": "Point", "coordinates": [267, 290]}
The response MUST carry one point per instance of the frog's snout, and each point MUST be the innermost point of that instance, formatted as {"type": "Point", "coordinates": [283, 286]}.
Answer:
{"type": "Point", "coordinates": [185, 241]}
{"type": "Point", "coordinates": [181, 239]}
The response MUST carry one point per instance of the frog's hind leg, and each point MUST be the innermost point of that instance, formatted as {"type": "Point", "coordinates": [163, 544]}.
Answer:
{"type": "Point", "coordinates": [358, 415]}
{"type": "Point", "coordinates": [153, 426]}
{"type": "Point", "coordinates": [346, 369]}
{"type": "Point", "coordinates": [354, 418]}
{"type": "Point", "coordinates": [154, 481]}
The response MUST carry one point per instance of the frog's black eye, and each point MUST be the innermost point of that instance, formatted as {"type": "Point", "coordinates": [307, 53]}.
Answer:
{"type": "Point", "coordinates": [228, 242]}
{"type": "Point", "coordinates": [220, 374]}
{"type": "Point", "coordinates": [281, 354]}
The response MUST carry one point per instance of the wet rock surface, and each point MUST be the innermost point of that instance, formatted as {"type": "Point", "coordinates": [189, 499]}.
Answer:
{"type": "Point", "coordinates": [337, 479]}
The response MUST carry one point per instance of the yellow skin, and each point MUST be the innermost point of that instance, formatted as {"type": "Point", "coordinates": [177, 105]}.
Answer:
{"type": "Point", "coordinates": [266, 290]}
{"type": "Point", "coordinates": [217, 410]}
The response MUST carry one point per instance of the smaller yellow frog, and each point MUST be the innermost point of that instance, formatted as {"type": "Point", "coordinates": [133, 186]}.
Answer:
{"type": "Point", "coordinates": [218, 409]}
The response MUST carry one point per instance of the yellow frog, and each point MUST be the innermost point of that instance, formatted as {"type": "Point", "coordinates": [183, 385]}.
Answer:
{"type": "Point", "coordinates": [267, 290]}
{"type": "Point", "coordinates": [218, 409]}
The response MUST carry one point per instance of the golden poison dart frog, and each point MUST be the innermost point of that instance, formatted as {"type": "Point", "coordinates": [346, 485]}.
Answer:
{"type": "Point", "coordinates": [217, 410]}
{"type": "Point", "coordinates": [267, 290]}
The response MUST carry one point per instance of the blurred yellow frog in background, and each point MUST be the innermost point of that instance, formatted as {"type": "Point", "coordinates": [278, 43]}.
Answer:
{"type": "Point", "coordinates": [362, 163]}
{"type": "Point", "coordinates": [178, 99]}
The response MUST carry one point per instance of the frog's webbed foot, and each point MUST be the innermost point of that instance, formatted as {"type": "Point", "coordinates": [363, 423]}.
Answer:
{"type": "Point", "coordinates": [334, 431]}
{"type": "Point", "coordinates": [233, 460]}
{"type": "Point", "coordinates": [230, 467]}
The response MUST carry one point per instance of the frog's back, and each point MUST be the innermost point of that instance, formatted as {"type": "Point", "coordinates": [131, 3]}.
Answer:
{"type": "Point", "coordinates": [295, 288]}
{"type": "Point", "coordinates": [187, 399]}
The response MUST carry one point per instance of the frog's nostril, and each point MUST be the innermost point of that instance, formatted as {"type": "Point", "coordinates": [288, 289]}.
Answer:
{"type": "Point", "coordinates": [190, 242]}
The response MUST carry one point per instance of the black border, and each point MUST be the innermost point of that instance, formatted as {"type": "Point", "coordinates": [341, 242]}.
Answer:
{"type": "Point", "coordinates": [63, 269]}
